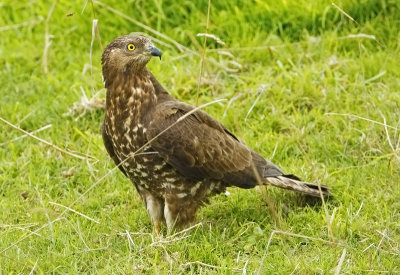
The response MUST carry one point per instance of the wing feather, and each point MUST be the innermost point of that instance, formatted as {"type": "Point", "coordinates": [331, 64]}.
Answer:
{"type": "Point", "coordinates": [200, 147]}
{"type": "Point", "coordinates": [110, 148]}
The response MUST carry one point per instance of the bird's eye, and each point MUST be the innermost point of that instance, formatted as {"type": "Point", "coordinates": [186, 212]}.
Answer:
{"type": "Point", "coordinates": [131, 47]}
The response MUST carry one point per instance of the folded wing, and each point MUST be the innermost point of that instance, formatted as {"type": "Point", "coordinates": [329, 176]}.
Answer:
{"type": "Point", "coordinates": [200, 147]}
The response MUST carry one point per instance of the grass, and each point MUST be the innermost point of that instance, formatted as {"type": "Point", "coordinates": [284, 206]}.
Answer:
{"type": "Point", "coordinates": [287, 68]}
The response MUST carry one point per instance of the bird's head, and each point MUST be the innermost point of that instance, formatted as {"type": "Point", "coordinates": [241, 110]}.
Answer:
{"type": "Point", "coordinates": [128, 53]}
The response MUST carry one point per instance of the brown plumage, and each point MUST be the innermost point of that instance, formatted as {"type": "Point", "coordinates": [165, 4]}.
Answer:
{"type": "Point", "coordinates": [194, 159]}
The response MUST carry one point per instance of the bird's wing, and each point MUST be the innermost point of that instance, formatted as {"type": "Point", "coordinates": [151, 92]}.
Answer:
{"type": "Point", "coordinates": [200, 147]}
{"type": "Point", "coordinates": [109, 148]}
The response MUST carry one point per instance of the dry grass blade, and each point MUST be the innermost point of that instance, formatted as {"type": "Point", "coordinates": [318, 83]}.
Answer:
{"type": "Point", "coordinates": [383, 234]}
{"type": "Point", "coordinates": [79, 232]}
{"type": "Point", "coordinates": [395, 150]}
{"type": "Point", "coordinates": [20, 25]}
{"type": "Point", "coordinates": [46, 213]}
{"type": "Point", "coordinates": [212, 36]}
{"type": "Point", "coordinates": [344, 13]}
{"type": "Point", "coordinates": [329, 219]}
{"type": "Point", "coordinates": [184, 230]}
{"type": "Point", "coordinates": [368, 247]}
{"type": "Point", "coordinates": [25, 225]}
{"type": "Point", "coordinates": [341, 260]}
{"type": "Point", "coordinates": [230, 103]}
{"type": "Point", "coordinates": [34, 266]}
{"type": "Point", "coordinates": [203, 55]}
{"type": "Point", "coordinates": [84, 6]}
{"type": "Point", "coordinates": [72, 210]}
{"type": "Point", "coordinates": [244, 271]}
{"type": "Point", "coordinates": [363, 118]}
{"type": "Point", "coordinates": [21, 137]}
{"type": "Point", "coordinates": [295, 269]}
{"type": "Point", "coordinates": [260, 92]}
{"type": "Point", "coordinates": [47, 38]}
{"type": "Point", "coordinates": [19, 228]}
{"type": "Point", "coordinates": [275, 149]}
{"type": "Point", "coordinates": [130, 241]}
{"type": "Point", "coordinates": [379, 75]}
{"type": "Point", "coordinates": [361, 35]}
{"type": "Point", "coordinates": [381, 240]}
{"type": "Point", "coordinates": [94, 28]}
{"type": "Point", "coordinates": [84, 157]}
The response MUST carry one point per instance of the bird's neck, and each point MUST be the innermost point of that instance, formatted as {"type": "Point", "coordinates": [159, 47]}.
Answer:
{"type": "Point", "coordinates": [130, 95]}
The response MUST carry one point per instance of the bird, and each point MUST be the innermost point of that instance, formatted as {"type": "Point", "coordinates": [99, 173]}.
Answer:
{"type": "Point", "coordinates": [177, 156]}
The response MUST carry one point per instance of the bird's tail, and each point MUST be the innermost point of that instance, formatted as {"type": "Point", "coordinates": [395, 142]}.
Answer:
{"type": "Point", "coordinates": [293, 183]}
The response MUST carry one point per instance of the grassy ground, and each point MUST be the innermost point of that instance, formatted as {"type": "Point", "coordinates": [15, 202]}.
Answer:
{"type": "Point", "coordinates": [286, 69]}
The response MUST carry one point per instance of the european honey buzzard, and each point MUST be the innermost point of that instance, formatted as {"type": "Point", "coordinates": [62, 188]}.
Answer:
{"type": "Point", "coordinates": [196, 158]}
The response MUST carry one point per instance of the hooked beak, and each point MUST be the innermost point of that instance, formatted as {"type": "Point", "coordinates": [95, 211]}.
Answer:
{"type": "Point", "coordinates": [153, 51]}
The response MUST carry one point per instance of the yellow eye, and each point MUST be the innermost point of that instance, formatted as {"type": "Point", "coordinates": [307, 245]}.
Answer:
{"type": "Point", "coordinates": [131, 47]}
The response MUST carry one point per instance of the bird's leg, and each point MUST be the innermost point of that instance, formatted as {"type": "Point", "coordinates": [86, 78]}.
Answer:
{"type": "Point", "coordinates": [155, 209]}
{"type": "Point", "coordinates": [170, 218]}
{"type": "Point", "coordinates": [157, 228]}
{"type": "Point", "coordinates": [179, 213]}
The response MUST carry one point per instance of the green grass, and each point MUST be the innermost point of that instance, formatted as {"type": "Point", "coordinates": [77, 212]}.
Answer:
{"type": "Point", "coordinates": [298, 54]}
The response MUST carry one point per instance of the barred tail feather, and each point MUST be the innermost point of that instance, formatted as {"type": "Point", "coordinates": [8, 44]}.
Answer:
{"type": "Point", "coordinates": [292, 183]}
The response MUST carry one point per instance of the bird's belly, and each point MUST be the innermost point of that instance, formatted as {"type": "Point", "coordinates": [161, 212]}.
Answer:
{"type": "Point", "coordinates": [148, 170]}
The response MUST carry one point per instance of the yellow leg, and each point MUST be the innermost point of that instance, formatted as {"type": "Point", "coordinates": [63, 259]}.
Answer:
{"type": "Point", "coordinates": [157, 228]}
